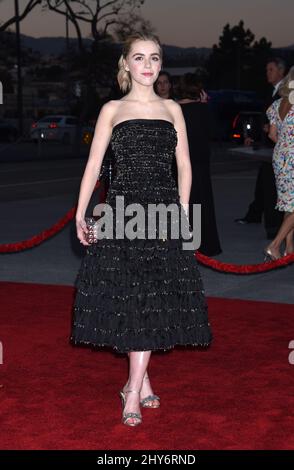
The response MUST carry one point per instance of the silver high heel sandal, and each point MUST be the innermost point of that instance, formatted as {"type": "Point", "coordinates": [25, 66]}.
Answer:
{"type": "Point", "coordinates": [147, 401]}
{"type": "Point", "coordinates": [268, 256]}
{"type": "Point", "coordinates": [127, 416]}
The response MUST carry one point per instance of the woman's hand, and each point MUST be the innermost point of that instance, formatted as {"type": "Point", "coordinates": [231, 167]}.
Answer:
{"type": "Point", "coordinates": [203, 97]}
{"type": "Point", "coordinates": [82, 230]}
{"type": "Point", "coordinates": [185, 207]}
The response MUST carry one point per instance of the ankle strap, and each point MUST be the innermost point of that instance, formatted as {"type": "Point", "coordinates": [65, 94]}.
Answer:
{"type": "Point", "coordinates": [130, 391]}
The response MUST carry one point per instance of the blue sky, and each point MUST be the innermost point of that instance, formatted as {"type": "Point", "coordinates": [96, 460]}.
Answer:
{"type": "Point", "coordinates": [186, 22]}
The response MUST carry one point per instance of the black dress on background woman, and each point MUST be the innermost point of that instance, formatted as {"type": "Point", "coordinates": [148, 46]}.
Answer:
{"type": "Point", "coordinates": [196, 116]}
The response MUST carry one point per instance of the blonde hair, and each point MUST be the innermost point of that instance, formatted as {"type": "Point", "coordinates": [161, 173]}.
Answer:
{"type": "Point", "coordinates": [124, 77]}
{"type": "Point", "coordinates": [286, 87]}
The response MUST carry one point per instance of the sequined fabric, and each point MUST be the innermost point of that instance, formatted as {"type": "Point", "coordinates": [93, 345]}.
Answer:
{"type": "Point", "coordinates": [141, 294]}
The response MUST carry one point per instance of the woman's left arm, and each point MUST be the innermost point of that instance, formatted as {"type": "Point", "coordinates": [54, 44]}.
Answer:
{"type": "Point", "coordinates": [273, 133]}
{"type": "Point", "coordinates": [182, 155]}
{"type": "Point", "coordinates": [272, 117]}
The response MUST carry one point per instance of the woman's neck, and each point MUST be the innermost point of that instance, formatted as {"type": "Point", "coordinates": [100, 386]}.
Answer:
{"type": "Point", "coordinates": [141, 94]}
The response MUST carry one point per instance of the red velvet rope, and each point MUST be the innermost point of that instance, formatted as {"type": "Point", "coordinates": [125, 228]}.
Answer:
{"type": "Point", "coordinates": [41, 237]}
{"type": "Point", "coordinates": [205, 260]}
{"type": "Point", "coordinates": [244, 268]}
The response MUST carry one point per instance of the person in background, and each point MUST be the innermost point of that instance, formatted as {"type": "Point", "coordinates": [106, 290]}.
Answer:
{"type": "Point", "coordinates": [201, 191]}
{"type": "Point", "coordinates": [281, 118]}
{"type": "Point", "coordinates": [265, 194]}
{"type": "Point", "coordinates": [196, 113]}
{"type": "Point", "coordinates": [164, 85]}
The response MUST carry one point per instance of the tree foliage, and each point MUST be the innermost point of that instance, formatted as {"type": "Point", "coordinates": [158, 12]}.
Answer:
{"type": "Point", "coordinates": [238, 60]}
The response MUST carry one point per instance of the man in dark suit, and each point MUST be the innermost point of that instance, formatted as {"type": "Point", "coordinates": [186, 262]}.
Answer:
{"type": "Point", "coordinates": [265, 194]}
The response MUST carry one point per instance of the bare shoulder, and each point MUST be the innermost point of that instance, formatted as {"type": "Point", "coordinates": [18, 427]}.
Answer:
{"type": "Point", "coordinates": [174, 108]}
{"type": "Point", "coordinates": [111, 107]}
{"type": "Point", "coordinates": [107, 113]}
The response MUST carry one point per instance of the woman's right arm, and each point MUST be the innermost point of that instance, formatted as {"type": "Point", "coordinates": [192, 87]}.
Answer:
{"type": "Point", "coordinates": [100, 142]}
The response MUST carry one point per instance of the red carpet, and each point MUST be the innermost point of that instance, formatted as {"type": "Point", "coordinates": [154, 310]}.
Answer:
{"type": "Point", "coordinates": [236, 395]}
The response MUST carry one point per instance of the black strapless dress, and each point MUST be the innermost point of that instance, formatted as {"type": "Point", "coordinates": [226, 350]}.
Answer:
{"type": "Point", "coordinates": [141, 294]}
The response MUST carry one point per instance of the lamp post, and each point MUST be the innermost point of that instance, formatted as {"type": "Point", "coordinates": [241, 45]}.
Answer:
{"type": "Point", "coordinates": [19, 74]}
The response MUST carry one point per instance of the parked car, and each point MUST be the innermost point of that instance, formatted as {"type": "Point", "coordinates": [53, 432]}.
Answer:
{"type": "Point", "coordinates": [8, 132]}
{"type": "Point", "coordinates": [60, 128]}
{"type": "Point", "coordinates": [247, 124]}
{"type": "Point", "coordinates": [225, 105]}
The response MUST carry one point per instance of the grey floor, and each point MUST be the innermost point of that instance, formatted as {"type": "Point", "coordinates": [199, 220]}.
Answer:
{"type": "Point", "coordinates": [36, 194]}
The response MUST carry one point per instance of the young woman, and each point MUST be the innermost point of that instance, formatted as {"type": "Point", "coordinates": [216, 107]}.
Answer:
{"type": "Point", "coordinates": [281, 117]}
{"type": "Point", "coordinates": [139, 295]}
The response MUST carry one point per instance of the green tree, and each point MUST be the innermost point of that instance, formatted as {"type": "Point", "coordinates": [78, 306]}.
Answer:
{"type": "Point", "coordinates": [261, 51]}
{"type": "Point", "coordinates": [237, 59]}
